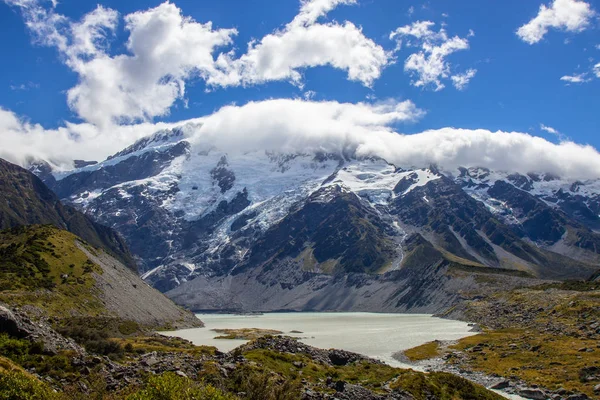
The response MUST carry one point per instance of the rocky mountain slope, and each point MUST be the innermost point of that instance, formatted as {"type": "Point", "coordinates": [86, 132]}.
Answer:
{"type": "Point", "coordinates": [25, 200]}
{"type": "Point", "coordinates": [314, 230]}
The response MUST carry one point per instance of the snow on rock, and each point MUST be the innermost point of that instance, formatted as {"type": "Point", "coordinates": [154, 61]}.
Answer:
{"type": "Point", "coordinates": [547, 187]}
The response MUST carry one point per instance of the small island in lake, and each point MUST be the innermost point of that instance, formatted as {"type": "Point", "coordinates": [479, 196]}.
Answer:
{"type": "Point", "coordinates": [245, 333]}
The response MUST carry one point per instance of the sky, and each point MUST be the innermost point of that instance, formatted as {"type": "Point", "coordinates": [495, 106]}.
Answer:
{"type": "Point", "coordinates": [470, 81]}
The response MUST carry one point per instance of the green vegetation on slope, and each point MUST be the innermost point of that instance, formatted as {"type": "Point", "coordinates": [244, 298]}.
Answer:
{"type": "Point", "coordinates": [42, 266]}
{"type": "Point", "coordinates": [17, 384]}
{"type": "Point", "coordinates": [423, 352]}
{"type": "Point", "coordinates": [546, 336]}
{"type": "Point", "coordinates": [371, 375]}
{"type": "Point", "coordinates": [173, 387]}
{"type": "Point", "coordinates": [26, 200]}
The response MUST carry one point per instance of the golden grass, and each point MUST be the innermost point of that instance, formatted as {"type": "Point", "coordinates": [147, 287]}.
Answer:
{"type": "Point", "coordinates": [423, 352]}
{"type": "Point", "coordinates": [245, 333]}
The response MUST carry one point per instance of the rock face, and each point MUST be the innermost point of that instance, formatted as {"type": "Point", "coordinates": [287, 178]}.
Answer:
{"type": "Point", "coordinates": [19, 325]}
{"type": "Point", "coordinates": [217, 229]}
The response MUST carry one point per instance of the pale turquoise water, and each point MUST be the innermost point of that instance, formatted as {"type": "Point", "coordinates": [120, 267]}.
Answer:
{"type": "Point", "coordinates": [374, 335]}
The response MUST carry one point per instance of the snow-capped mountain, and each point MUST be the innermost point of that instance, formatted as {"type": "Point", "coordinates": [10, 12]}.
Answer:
{"type": "Point", "coordinates": [204, 222]}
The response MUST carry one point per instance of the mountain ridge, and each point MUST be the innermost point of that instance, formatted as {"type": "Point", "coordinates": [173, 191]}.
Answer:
{"type": "Point", "coordinates": [189, 210]}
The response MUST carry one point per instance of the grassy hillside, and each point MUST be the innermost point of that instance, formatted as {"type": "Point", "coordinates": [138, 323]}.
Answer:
{"type": "Point", "coordinates": [42, 266]}
{"type": "Point", "coordinates": [25, 200]}
{"type": "Point", "coordinates": [53, 273]}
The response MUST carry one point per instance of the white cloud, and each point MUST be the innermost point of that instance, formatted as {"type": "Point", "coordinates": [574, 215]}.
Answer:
{"type": "Point", "coordinates": [21, 140]}
{"type": "Point", "coordinates": [597, 70]}
{"type": "Point", "coordinates": [312, 10]}
{"type": "Point", "coordinates": [429, 66]}
{"type": "Point", "coordinates": [565, 15]}
{"type": "Point", "coordinates": [549, 129]}
{"type": "Point", "coordinates": [309, 95]}
{"type": "Point", "coordinates": [304, 43]}
{"type": "Point", "coordinates": [165, 49]}
{"type": "Point", "coordinates": [280, 125]}
{"type": "Point", "coordinates": [461, 81]}
{"type": "Point", "coordinates": [576, 78]}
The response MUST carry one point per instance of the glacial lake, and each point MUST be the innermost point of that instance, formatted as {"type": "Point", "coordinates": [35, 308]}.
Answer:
{"type": "Point", "coordinates": [378, 336]}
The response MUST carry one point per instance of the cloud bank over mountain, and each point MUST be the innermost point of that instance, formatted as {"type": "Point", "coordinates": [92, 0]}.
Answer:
{"type": "Point", "coordinates": [286, 125]}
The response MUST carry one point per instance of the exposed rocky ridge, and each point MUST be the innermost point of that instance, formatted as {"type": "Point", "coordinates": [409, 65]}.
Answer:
{"type": "Point", "coordinates": [25, 200]}
{"type": "Point", "coordinates": [20, 325]}
{"type": "Point", "coordinates": [128, 297]}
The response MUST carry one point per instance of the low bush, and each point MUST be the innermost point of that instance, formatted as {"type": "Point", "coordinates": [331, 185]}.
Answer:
{"type": "Point", "coordinates": [16, 384]}
{"type": "Point", "coordinates": [170, 386]}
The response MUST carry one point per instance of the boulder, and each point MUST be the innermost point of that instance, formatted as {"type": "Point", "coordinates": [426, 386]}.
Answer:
{"type": "Point", "coordinates": [533, 394]}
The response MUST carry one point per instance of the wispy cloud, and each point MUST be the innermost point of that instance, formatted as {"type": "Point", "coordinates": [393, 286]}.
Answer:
{"type": "Point", "coordinates": [576, 78]}
{"type": "Point", "coordinates": [24, 86]}
{"type": "Point", "coordinates": [560, 136]}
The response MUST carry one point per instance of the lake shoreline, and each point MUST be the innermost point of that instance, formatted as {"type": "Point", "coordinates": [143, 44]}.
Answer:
{"type": "Point", "coordinates": [281, 321]}
{"type": "Point", "coordinates": [376, 335]}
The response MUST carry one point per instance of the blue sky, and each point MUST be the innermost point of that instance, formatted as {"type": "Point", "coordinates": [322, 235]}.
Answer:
{"type": "Point", "coordinates": [517, 85]}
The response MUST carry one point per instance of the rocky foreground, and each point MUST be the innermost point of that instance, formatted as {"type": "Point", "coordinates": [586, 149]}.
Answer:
{"type": "Point", "coordinates": [40, 363]}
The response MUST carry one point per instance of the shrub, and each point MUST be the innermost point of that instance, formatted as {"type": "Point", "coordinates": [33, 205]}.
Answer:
{"type": "Point", "coordinates": [94, 339]}
{"type": "Point", "coordinates": [170, 386]}
{"type": "Point", "coordinates": [16, 384]}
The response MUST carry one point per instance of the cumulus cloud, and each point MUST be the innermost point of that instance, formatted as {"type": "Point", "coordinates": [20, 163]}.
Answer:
{"type": "Point", "coordinates": [280, 125]}
{"type": "Point", "coordinates": [165, 49]}
{"type": "Point", "coordinates": [429, 66]}
{"type": "Point", "coordinates": [596, 70]}
{"type": "Point", "coordinates": [566, 15]}
{"type": "Point", "coordinates": [305, 43]}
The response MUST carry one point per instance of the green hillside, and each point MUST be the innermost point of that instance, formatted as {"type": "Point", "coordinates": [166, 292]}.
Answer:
{"type": "Point", "coordinates": [41, 265]}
